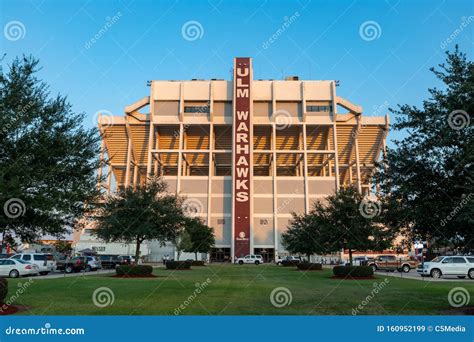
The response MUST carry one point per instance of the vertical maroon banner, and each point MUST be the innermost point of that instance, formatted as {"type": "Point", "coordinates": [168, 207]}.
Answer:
{"type": "Point", "coordinates": [242, 156]}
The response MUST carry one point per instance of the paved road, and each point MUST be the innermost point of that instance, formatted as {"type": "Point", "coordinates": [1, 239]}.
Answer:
{"type": "Point", "coordinates": [55, 275]}
{"type": "Point", "coordinates": [413, 275]}
{"type": "Point", "coordinates": [410, 275]}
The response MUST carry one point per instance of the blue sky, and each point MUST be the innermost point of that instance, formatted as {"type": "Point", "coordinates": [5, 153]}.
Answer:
{"type": "Point", "coordinates": [386, 64]}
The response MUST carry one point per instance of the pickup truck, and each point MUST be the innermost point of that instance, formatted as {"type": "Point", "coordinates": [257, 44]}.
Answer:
{"type": "Point", "coordinates": [392, 263]}
{"type": "Point", "coordinates": [70, 265]}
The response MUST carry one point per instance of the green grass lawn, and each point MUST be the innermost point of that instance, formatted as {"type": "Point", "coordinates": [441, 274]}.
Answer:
{"type": "Point", "coordinates": [235, 290]}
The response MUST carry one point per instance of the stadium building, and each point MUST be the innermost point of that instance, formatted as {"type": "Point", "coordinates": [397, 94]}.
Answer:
{"type": "Point", "coordinates": [246, 153]}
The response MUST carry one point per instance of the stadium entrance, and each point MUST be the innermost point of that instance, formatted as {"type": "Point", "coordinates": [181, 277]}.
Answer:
{"type": "Point", "coordinates": [268, 254]}
{"type": "Point", "coordinates": [220, 255]}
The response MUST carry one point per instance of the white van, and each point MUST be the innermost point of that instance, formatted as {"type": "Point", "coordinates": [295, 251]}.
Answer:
{"type": "Point", "coordinates": [45, 262]}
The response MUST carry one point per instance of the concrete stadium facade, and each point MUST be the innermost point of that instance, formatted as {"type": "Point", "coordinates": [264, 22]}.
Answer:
{"type": "Point", "coordinates": [246, 153]}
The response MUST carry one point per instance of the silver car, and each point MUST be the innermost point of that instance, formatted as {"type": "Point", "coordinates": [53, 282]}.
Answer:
{"type": "Point", "coordinates": [93, 264]}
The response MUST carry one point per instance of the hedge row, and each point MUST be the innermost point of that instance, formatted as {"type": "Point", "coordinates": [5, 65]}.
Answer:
{"type": "Point", "coordinates": [306, 266]}
{"type": "Point", "coordinates": [353, 271]}
{"type": "Point", "coordinates": [3, 289]}
{"type": "Point", "coordinates": [287, 263]}
{"type": "Point", "coordinates": [178, 265]}
{"type": "Point", "coordinates": [134, 270]}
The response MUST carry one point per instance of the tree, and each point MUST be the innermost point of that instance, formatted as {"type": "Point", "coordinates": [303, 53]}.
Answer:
{"type": "Point", "coordinates": [428, 178]}
{"type": "Point", "coordinates": [183, 243]}
{"type": "Point", "coordinates": [303, 236]}
{"type": "Point", "coordinates": [201, 235]}
{"type": "Point", "coordinates": [63, 247]}
{"type": "Point", "coordinates": [146, 212]}
{"type": "Point", "coordinates": [48, 159]}
{"type": "Point", "coordinates": [345, 220]}
{"type": "Point", "coordinates": [351, 221]}
{"type": "Point", "coordinates": [10, 242]}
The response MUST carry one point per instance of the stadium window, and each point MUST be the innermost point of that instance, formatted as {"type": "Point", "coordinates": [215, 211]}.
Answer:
{"type": "Point", "coordinates": [319, 108]}
{"type": "Point", "coordinates": [196, 109]}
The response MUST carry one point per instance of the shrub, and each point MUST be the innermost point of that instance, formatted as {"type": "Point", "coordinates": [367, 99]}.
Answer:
{"type": "Point", "coordinates": [178, 265]}
{"type": "Point", "coordinates": [197, 263]}
{"type": "Point", "coordinates": [353, 271]}
{"type": "Point", "coordinates": [3, 289]}
{"type": "Point", "coordinates": [287, 263]}
{"type": "Point", "coordinates": [307, 266]}
{"type": "Point", "coordinates": [134, 270]}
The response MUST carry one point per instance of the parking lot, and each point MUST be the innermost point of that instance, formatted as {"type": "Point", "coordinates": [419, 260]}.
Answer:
{"type": "Point", "coordinates": [46, 265]}
{"type": "Point", "coordinates": [413, 275]}
{"type": "Point", "coordinates": [410, 275]}
{"type": "Point", "coordinates": [58, 274]}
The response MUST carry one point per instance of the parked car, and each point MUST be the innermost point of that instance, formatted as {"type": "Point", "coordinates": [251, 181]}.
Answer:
{"type": "Point", "coordinates": [126, 259]}
{"type": "Point", "coordinates": [250, 259]}
{"type": "Point", "coordinates": [50, 261]}
{"type": "Point", "coordinates": [392, 263]}
{"type": "Point", "coordinates": [289, 260]}
{"type": "Point", "coordinates": [15, 268]}
{"type": "Point", "coordinates": [460, 266]}
{"type": "Point", "coordinates": [70, 265]}
{"type": "Point", "coordinates": [362, 261]}
{"type": "Point", "coordinates": [109, 261]}
{"type": "Point", "coordinates": [93, 264]}
{"type": "Point", "coordinates": [45, 262]}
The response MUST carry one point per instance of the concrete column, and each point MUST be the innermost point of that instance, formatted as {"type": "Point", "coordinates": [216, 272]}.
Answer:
{"type": "Point", "coordinates": [127, 169]}
{"type": "Point", "coordinates": [334, 117]}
